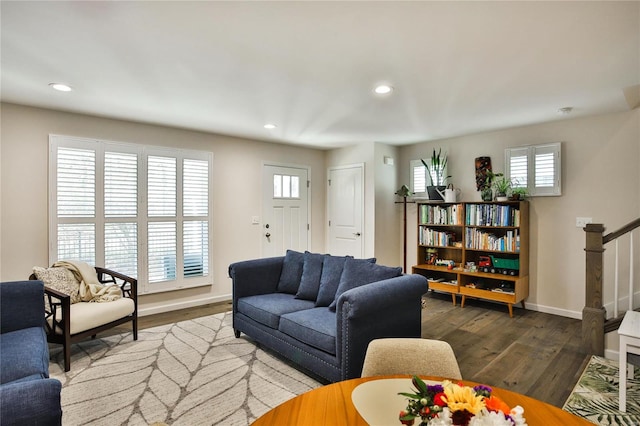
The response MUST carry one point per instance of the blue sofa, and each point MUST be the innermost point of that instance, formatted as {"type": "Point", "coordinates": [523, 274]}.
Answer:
{"type": "Point", "coordinates": [27, 395]}
{"type": "Point", "coordinates": [321, 311]}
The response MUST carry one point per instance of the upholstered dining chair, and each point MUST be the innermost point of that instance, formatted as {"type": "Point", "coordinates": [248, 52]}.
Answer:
{"type": "Point", "coordinates": [412, 356]}
{"type": "Point", "coordinates": [69, 319]}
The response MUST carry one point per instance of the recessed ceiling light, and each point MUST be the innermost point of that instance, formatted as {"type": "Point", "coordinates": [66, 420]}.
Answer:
{"type": "Point", "coordinates": [60, 87]}
{"type": "Point", "coordinates": [270, 126]}
{"type": "Point", "coordinates": [383, 89]}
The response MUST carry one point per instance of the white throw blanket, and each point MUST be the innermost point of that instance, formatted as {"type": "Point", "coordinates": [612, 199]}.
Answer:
{"type": "Point", "coordinates": [91, 290]}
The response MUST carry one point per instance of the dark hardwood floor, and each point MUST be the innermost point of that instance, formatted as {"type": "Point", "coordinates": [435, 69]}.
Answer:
{"type": "Point", "coordinates": [533, 353]}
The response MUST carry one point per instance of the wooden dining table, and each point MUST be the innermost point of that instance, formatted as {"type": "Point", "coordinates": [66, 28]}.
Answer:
{"type": "Point", "coordinates": [332, 405]}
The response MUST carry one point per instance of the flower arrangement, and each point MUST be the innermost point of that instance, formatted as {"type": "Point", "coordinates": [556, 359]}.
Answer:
{"type": "Point", "coordinates": [455, 404]}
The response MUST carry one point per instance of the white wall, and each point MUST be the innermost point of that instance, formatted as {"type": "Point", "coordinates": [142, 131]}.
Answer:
{"type": "Point", "coordinates": [600, 179]}
{"type": "Point", "coordinates": [388, 220]}
{"type": "Point", "coordinates": [237, 191]}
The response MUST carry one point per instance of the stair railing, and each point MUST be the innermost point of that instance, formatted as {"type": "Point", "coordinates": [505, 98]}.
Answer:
{"type": "Point", "coordinates": [594, 317]}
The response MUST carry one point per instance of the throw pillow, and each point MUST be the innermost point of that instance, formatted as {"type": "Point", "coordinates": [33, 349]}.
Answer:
{"type": "Point", "coordinates": [358, 272]}
{"type": "Point", "coordinates": [291, 272]}
{"type": "Point", "coordinates": [60, 279]}
{"type": "Point", "coordinates": [310, 280]}
{"type": "Point", "coordinates": [332, 267]}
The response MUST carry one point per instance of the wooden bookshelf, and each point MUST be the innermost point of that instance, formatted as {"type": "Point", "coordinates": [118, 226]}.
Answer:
{"type": "Point", "coordinates": [475, 232]}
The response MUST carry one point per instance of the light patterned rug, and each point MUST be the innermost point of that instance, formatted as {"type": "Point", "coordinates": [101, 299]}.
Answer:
{"type": "Point", "coordinates": [595, 396]}
{"type": "Point", "coordinates": [190, 373]}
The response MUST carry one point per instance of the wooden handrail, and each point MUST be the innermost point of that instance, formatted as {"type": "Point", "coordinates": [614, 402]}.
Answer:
{"type": "Point", "coordinates": [593, 313]}
{"type": "Point", "coordinates": [620, 232]}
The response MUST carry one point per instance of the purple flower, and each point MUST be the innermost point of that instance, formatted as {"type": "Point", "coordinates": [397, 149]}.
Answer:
{"type": "Point", "coordinates": [482, 390]}
{"type": "Point", "coordinates": [434, 389]}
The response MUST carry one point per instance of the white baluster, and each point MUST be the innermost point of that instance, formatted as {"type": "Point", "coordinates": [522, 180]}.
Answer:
{"type": "Point", "coordinates": [615, 285]}
{"type": "Point", "coordinates": [630, 271]}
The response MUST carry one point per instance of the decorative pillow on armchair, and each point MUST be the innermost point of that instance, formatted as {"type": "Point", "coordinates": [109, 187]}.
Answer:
{"type": "Point", "coordinates": [60, 279]}
{"type": "Point", "coordinates": [359, 272]}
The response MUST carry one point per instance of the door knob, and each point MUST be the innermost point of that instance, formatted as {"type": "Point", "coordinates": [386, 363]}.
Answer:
{"type": "Point", "coordinates": [267, 235]}
{"type": "Point", "coordinates": [357, 234]}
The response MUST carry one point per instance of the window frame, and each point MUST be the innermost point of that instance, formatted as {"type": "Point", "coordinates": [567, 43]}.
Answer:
{"type": "Point", "coordinates": [142, 219]}
{"type": "Point", "coordinates": [531, 152]}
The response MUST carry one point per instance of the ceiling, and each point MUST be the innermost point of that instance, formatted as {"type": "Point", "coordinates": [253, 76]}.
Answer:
{"type": "Point", "coordinates": [310, 67]}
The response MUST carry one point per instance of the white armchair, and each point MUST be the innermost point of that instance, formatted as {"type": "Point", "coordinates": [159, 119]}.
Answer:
{"type": "Point", "coordinates": [68, 323]}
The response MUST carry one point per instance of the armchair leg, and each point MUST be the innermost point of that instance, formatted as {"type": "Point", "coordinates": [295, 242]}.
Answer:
{"type": "Point", "coordinates": [135, 329]}
{"type": "Point", "coordinates": [237, 333]}
{"type": "Point", "coordinates": [66, 349]}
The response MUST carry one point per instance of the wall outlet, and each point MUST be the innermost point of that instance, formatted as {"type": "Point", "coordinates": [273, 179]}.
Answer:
{"type": "Point", "coordinates": [581, 222]}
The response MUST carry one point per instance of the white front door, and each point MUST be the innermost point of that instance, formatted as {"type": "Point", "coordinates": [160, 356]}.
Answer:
{"type": "Point", "coordinates": [285, 223]}
{"type": "Point", "coordinates": [346, 214]}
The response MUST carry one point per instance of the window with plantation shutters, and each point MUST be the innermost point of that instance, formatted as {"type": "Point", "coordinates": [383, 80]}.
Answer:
{"type": "Point", "coordinates": [140, 210]}
{"type": "Point", "coordinates": [418, 178]}
{"type": "Point", "coordinates": [536, 168]}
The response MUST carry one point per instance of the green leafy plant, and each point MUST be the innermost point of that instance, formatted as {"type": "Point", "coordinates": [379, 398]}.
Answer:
{"type": "Point", "coordinates": [519, 192]}
{"type": "Point", "coordinates": [502, 185]}
{"type": "Point", "coordinates": [436, 166]}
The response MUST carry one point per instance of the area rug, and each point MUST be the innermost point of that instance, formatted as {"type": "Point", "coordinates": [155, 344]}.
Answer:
{"type": "Point", "coordinates": [190, 373]}
{"type": "Point", "coordinates": [595, 396]}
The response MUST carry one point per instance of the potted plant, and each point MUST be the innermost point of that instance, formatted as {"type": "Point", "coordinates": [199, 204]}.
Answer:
{"type": "Point", "coordinates": [502, 186]}
{"type": "Point", "coordinates": [486, 192]}
{"type": "Point", "coordinates": [436, 168]}
{"type": "Point", "coordinates": [518, 193]}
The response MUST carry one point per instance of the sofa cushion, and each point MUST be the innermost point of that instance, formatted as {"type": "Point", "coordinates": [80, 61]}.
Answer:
{"type": "Point", "coordinates": [86, 315]}
{"type": "Point", "coordinates": [310, 280]}
{"type": "Point", "coordinates": [358, 272]}
{"type": "Point", "coordinates": [291, 272]}
{"type": "Point", "coordinates": [268, 308]}
{"type": "Point", "coordinates": [332, 267]}
{"type": "Point", "coordinates": [24, 353]}
{"type": "Point", "coordinates": [315, 327]}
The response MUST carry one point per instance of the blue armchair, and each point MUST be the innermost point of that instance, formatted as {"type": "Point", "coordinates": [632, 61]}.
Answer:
{"type": "Point", "coordinates": [27, 395]}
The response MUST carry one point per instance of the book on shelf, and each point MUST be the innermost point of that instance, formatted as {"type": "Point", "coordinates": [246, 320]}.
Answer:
{"type": "Point", "coordinates": [431, 214]}
{"type": "Point", "coordinates": [433, 237]}
{"type": "Point", "coordinates": [492, 215]}
{"type": "Point", "coordinates": [479, 239]}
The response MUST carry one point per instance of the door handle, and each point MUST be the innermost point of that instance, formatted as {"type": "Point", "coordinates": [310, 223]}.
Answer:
{"type": "Point", "coordinates": [357, 234]}
{"type": "Point", "coordinates": [267, 235]}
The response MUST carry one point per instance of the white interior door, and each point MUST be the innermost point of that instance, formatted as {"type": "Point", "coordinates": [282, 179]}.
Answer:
{"type": "Point", "coordinates": [285, 223]}
{"type": "Point", "coordinates": [345, 210]}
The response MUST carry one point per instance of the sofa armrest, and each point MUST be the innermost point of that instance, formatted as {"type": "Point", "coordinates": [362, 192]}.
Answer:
{"type": "Point", "coordinates": [388, 308]}
{"type": "Point", "coordinates": [31, 402]}
{"type": "Point", "coordinates": [403, 292]}
{"type": "Point", "coordinates": [21, 305]}
{"type": "Point", "coordinates": [257, 276]}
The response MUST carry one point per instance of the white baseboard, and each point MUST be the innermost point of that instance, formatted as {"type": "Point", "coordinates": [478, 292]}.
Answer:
{"type": "Point", "coordinates": [552, 310]}
{"type": "Point", "coordinates": [182, 305]}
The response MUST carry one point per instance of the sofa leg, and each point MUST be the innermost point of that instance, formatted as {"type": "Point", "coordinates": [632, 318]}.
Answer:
{"type": "Point", "coordinates": [236, 332]}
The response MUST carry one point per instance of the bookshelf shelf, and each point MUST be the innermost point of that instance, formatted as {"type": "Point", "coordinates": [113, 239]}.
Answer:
{"type": "Point", "coordinates": [486, 233]}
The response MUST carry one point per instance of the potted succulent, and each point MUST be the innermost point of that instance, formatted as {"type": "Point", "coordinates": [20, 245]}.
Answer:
{"type": "Point", "coordinates": [436, 168]}
{"type": "Point", "coordinates": [502, 186]}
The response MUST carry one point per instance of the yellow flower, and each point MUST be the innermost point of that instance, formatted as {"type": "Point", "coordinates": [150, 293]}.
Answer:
{"type": "Point", "coordinates": [462, 398]}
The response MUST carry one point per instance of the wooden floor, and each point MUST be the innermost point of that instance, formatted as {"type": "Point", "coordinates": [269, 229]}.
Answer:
{"type": "Point", "coordinates": [533, 353]}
